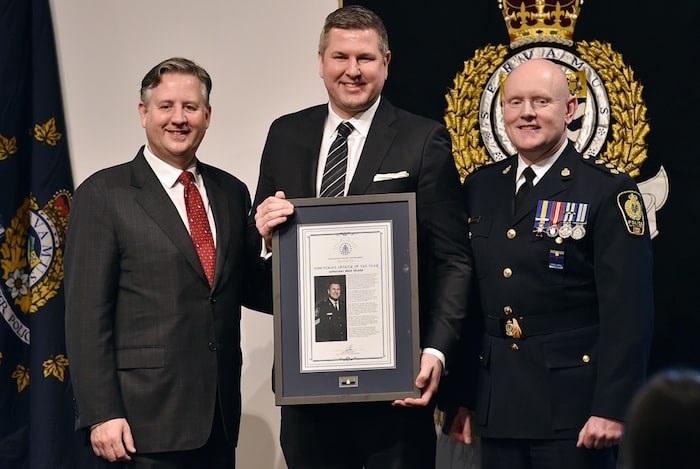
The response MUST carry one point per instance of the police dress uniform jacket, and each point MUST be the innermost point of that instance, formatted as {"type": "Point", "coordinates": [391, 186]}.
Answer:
{"type": "Point", "coordinates": [417, 152]}
{"type": "Point", "coordinates": [148, 339]}
{"type": "Point", "coordinates": [331, 322]}
{"type": "Point", "coordinates": [581, 305]}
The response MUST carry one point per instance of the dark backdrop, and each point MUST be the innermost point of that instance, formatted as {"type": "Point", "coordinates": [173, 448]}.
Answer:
{"type": "Point", "coordinates": [661, 43]}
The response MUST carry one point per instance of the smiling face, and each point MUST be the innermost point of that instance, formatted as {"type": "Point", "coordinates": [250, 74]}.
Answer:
{"type": "Point", "coordinates": [537, 107]}
{"type": "Point", "coordinates": [353, 69]}
{"type": "Point", "coordinates": [176, 116]}
{"type": "Point", "coordinates": [334, 291]}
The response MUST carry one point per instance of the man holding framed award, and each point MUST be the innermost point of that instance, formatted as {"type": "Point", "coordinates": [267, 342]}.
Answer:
{"type": "Point", "coordinates": [359, 144]}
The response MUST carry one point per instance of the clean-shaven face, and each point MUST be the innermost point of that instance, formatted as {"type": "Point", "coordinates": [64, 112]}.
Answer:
{"type": "Point", "coordinates": [176, 117]}
{"type": "Point", "coordinates": [353, 70]}
{"type": "Point", "coordinates": [537, 107]}
{"type": "Point", "coordinates": [334, 291]}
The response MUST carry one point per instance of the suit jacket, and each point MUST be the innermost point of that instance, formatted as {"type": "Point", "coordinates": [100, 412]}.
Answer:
{"type": "Point", "coordinates": [331, 323]}
{"type": "Point", "coordinates": [147, 337]}
{"type": "Point", "coordinates": [584, 306]}
{"type": "Point", "coordinates": [397, 141]}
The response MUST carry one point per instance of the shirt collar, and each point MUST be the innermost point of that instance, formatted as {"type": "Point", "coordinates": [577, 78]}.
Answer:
{"type": "Point", "coordinates": [166, 173]}
{"type": "Point", "coordinates": [362, 121]}
{"type": "Point", "coordinates": [541, 167]}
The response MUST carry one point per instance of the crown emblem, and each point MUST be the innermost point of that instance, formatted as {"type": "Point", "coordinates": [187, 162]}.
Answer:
{"type": "Point", "coordinates": [531, 21]}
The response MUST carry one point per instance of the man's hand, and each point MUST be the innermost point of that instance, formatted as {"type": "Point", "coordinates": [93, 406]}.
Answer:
{"type": "Point", "coordinates": [427, 381]}
{"type": "Point", "coordinates": [599, 432]}
{"type": "Point", "coordinates": [272, 212]}
{"type": "Point", "coordinates": [461, 428]}
{"type": "Point", "coordinates": [112, 440]}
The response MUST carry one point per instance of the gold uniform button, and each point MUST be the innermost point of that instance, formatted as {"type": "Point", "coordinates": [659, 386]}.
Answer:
{"type": "Point", "coordinates": [507, 310]}
{"type": "Point", "coordinates": [507, 272]}
{"type": "Point", "coordinates": [558, 240]}
{"type": "Point", "coordinates": [586, 359]}
{"type": "Point", "coordinates": [514, 347]}
{"type": "Point", "coordinates": [511, 233]}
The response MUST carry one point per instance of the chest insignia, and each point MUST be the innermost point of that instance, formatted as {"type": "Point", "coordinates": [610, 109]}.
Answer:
{"type": "Point", "coordinates": [561, 219]}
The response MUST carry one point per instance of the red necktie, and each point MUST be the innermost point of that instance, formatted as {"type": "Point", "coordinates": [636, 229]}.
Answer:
{"type": "Point", "coordinates": [199, 225]}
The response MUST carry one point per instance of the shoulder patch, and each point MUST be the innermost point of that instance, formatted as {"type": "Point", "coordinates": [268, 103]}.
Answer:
{"type": "Point", "coordinates": [632, 211]}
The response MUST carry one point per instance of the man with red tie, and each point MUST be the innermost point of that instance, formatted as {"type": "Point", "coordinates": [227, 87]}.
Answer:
{"type": "Point", "coordinates": [157, 253]}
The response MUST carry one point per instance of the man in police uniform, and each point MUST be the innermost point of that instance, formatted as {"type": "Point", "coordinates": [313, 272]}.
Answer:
{"type": "Point", "coordinates": [331, 316]}
{"type": "Point", "coordinates": [565, 286]}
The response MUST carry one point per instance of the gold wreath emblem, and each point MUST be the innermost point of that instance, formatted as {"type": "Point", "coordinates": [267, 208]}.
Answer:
{"type": "Point", "coordinates": [462, 114]}
{"type": "Point", "coordinates": [17, 265]}
{"type": "Point", "coordinates": [626, 147]}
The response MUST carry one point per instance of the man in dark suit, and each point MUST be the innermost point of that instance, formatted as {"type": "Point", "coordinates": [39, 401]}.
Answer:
{"type": "Point", "coordinates": [155, 264]}
{"type": "Point", "coordinates": [331, 316]}
{"type": "Point", "coordinates": [564, 277]}
{"type": "Point", "coordinates": [389, 150]}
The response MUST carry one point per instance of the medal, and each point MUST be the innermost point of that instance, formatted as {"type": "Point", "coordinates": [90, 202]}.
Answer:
{"type": "Point", "coordinates": [565, 230]}
{"type": "Point", "coordinates": [542, 217]}
{"type": "Point", "coordinates": [579, 230]}
{"type": "Point", "coordinates": [557, 214]}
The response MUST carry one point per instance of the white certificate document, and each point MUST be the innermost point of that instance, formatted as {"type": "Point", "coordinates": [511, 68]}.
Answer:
{"type": "Point", "coordinates": [352, 263]}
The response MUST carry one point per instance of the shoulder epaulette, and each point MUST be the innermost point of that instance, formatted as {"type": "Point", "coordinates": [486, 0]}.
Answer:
{"type": "Point", "coordinates": [603, 165]}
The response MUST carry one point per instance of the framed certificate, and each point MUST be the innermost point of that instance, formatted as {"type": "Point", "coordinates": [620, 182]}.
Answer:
{"type": "Point", "coordinates": [346, 300]}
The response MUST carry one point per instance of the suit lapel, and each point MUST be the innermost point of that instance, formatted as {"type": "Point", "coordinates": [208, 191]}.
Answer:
{"type": "Point", "coordinates": [379, 139]}
{"type": "Point", "coordinates": [313, 134]}
{"type": "Point", "coordinates": [555, 181]}
{"type": "Point", "coordinates": [220, 208]}
{"type": "Point", "coordinates": [158, 205]}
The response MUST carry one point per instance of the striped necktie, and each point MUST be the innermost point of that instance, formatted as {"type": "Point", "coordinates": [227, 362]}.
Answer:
{"type": "Point", "coordinates": [333, 181]}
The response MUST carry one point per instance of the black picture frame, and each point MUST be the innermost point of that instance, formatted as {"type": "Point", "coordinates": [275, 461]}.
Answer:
{"type": "Point", "coordinates": [346, 383]}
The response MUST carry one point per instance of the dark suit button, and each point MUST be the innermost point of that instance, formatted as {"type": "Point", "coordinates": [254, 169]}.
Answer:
{"type": "Point", "coordinates": [212, 300]}
{"type": "Point", "coordinates": [212, 346]}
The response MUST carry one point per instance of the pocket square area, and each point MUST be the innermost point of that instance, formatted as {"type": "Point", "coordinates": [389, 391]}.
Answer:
{"type": "Point", "coordinates": [389, 176]}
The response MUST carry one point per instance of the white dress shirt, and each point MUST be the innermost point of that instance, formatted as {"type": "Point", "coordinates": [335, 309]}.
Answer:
{"type": "Point", "coordinates": [168, 175]}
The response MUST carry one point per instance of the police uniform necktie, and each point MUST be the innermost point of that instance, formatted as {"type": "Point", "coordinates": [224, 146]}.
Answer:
{"type": "Point", "coordinates": [200, 231]}
{"type": "Point", "coordinates": [525, 187]}
{"type": "Point", "coordinates": [333, 181]}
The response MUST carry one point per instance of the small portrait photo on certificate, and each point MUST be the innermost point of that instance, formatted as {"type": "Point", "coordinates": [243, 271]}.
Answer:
{"type": "Point", "coordinates": [330, 313]}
